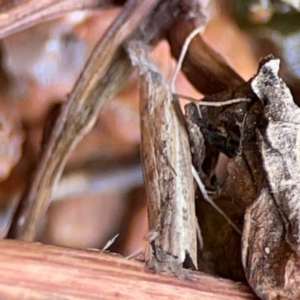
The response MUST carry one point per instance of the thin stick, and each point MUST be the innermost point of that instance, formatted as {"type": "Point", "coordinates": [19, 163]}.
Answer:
{"type": "Point", "coordinates": [135, 254]}
{"type": "Point", "coordinates": [183, 53]}
{"type": "Point", "coordinates": [211, 201]}
{"type": "Point", "coordinates": [215, 104]}
{"type": "Point", "coordinates": [110, 242]}
{"type": "Point", "coordinates": [24, 14]}
{"type": "Point", "coordinates": [199, 235]}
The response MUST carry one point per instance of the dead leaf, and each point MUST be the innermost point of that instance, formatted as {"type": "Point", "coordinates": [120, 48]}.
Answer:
{"type": "Point", "coordinates": [271, 231]}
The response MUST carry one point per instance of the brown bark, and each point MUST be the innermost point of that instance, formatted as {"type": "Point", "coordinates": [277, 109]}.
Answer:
{"type": "Point", "coordinates": [36, 271]}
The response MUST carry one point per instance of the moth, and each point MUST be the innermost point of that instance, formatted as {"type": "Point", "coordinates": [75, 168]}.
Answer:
{"type": "Point", "coordinates": [168, 178]}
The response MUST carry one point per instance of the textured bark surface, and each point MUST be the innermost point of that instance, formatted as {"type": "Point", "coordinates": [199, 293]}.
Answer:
{"type": "Point", "coordinates": [35, 271]}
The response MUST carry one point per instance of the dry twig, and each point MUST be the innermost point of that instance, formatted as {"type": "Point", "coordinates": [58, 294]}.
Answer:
{"type": "Point", "coordinates": [201, 61]}
{"type": "Point", "coordinates": [104, 74]}
{"type": "Point", "coordinates": [24, 14]}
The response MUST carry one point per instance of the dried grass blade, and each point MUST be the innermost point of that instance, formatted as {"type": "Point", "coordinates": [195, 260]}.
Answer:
{"type": "Point", "coordinates": [106, 70]}
{"type": "Point", "coordinates": [24, 14]}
